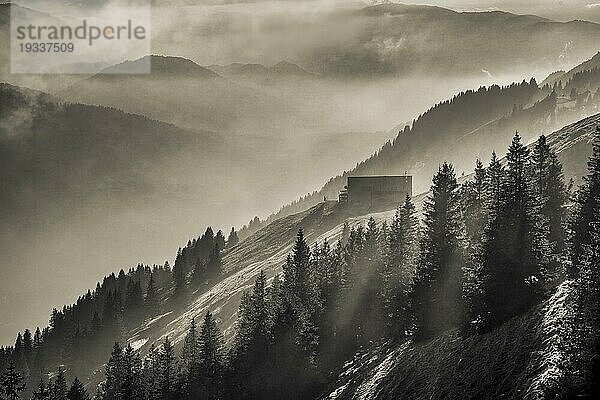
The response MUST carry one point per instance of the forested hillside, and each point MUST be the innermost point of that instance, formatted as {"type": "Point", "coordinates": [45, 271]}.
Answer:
{"type": "Point", "coordinates": [472, 124]}
{"type": "Point", "coordinates": [358, 288]}
{"type": "Point", "coordinates": [62, 147]}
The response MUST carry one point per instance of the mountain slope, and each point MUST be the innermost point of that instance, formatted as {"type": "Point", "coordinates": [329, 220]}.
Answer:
{"type": "Point", "coordinates": [401, 39]}
{"type": "Point", "coordinates": [471, 125]}
{"type": "Point", "coordinates": [524, 352]}
{"type": "Point", "coordinates": [282, 73]}
{"type": "Point", "coordinates": [209, 100]}
{"type": "Point", "coordinates": [266, 250]}
{"type": "Point", "coordinates": [564, 77]}
{"type": "Point", "coordinates": [82, 176]}
{"type": "Point", "coordinates": [378, 374]}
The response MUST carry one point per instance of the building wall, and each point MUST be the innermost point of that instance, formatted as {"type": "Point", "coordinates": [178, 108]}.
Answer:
{"type": "Point", "coordinates": [378, 191]}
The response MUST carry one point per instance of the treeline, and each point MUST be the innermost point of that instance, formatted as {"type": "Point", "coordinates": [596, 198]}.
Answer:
{"type": "Point", "coordinates": [200, 261]}
{"type": "Point", "coordinates": [460, 115]}
{"type": "Point", "coordinates": [57, 388]}
{"type": "Point", "coordinates": [492, 112]}
{"type": "Point", "coordinates": [80, 335]}
{"type": "Point", "coordinates": [487, 250]}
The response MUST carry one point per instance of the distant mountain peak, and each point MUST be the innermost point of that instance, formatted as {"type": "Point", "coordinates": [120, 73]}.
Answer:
{"type": "Point", "coordinates": [253, 70]}
{"type": "Point", "coordinates": [401, 8]}
{"type": "Point", "coordinates": [162, 66]}
{"type": "Point", "coordinates": [286, 67]}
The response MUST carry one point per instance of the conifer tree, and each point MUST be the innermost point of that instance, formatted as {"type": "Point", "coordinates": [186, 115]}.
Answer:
{"type": "Point", "coordinates": [293, 333]}
{"type": "Point", "coordinates": [37, 340]}
{"type": "Point", "coordinates": [167, 368]}
{"type": "Point", "coordinates": [473, 202]}
{"type": "Point", "coordinates": [189, 352]}
{"type": "Point", "coordinates": [134, 303]}
{"type": "Point", "coordinates": [220, 239]}
{"type": "Point", "coordinates": [114, 374]}
{"type": "Point", "coordinates": [77, 391]}
{"type": "Point", "coordinates": [131, 375]}
{"type": "Point", "coordinates": [297, 277]}
{"type": "Point", "coordinates": [550, 193]}
{"type": "Point", "coordinates": [11, 383]}
{"type": "Point", "coordinates": [152, 301]}
{"type": "Point", "coordinates": [42, 392]}
{"type": "Point", "coordinates": [327, 268]}
{"type": "Point", "coordinates": [587, 201]}
{"type": "Point", "coordinates": [232, 239]}
{"type": "Point", "coordinates": [28, 346]}
{"type": "Point", "coordinates": [59, 386]}
{"type": "Point", "coordinates": [401, 256]}
{"type": "Point", "coordinates": [435, 298]}
{"type": "Point", "coordinates": [368, 287]}
{"type": "Point", "coordinates": [211, 360]}
{"type": "Point", "coordinates": [199, 272]}
{"type": "Point", "coordinates": [588, 303]}
{"type": "Point", "coordinates": [249, 356]}
{"type": "Point", "coordinates": [152, 374]}
{"type": "Point", "coordinates": [215, 263]}
{"type": "Point", "coordinates": [179, 276]}
{"type": "Point", "coordinates": [512, 252]}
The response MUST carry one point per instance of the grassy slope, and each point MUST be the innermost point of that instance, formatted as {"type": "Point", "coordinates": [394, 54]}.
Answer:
{"type": "Point", "coordinates": [369, 373]}
{"type": "Point", "coordinates": [521, 359]}
{"type": "Point", "coordinates": [267, 248]}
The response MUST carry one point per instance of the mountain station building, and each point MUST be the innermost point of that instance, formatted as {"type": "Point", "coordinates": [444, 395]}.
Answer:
{"type": "Point", "coordinates": [376, 191]}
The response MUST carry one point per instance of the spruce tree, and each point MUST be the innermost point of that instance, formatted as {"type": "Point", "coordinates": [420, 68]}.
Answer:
{"type": "Point", "coordinates": [588, 319]}
{"type": "Point", "coordinates": [42, 392]}
{"type": "Point", "coordinates": [400, 262]}
{"type": "Point", "coordinates": [131, 375]}
{"type": "Point", "coordinates": [472, 207]}
{"type": "Point", "coordinates": [167, 367]}
{"type": "Point", "coordinates": [512, 252]}
{"type": "Point", "coordinates": [368, 287]}
{"type": "Point", "coordinates": [211, 358]}
{"type": "Point", "coordinates": [328, 276]}
{"type": "Point", "coordinates": [435, 298]}
{"type": "Point", "coordinates": [232, 239]}
{"type": "Point", "coordinates": [134, 303]}
{"type": "Point", "coordinates": [152, 301]}
{"type": "Point", "coordinates": [59, 386]}
{"type": "Point", "coordinates": [180, 277]}
{"type": "Point", "coordinates": [152, 374]}
{"type": "Point", "coordinates": [189, 352]}
{"type": "Point", "coordinates": [77, 391]}
{"type": "Point", "coordinates": [586, 340]}
{"type": "Point", "coordinates": [292, 325]}
{"type": "Point", "coordinates": [493, 185]}
{"type": "Point", "coordinates": [220, 240]}
{"type": "Point", "coordinates": [297, 276]}
{"type": "Point", "coordinates": [550, 193]}
{"type": "Point", "coordinates": [11, 383]}
{"type": "Point", "coordinates": [215, 263]}
{"type": "Point", "coordinates": [28, 346]}
{"type": "Point", "coordinates": [587, 201]}
{"type": "Point", "coordinates": [113, 374]}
